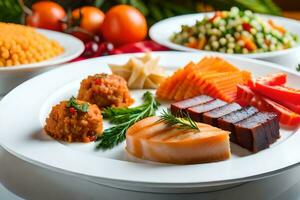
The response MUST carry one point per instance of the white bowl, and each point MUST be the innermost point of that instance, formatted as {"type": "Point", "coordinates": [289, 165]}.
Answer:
{"type": "Point", "coordinates": [163, 30]}
{"type": "Point", "coordinates": [12, 76]}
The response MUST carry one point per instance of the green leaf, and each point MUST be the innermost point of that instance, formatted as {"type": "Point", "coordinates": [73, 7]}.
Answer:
{"type": "Point", "coordinates": [155, 12]}
{"type": "Point", "coordinates": [98, 3]}
{"type": "Point", "coordinates": [10, 11]}
{"type": "Point", "coordinates": [84, 107]}
{"type": "Point", "coordinates": [139, 4]}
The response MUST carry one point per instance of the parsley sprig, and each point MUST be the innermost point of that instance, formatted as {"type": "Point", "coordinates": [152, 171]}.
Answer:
{"type": "Point", "coordinates": [124, 118]}
{"type": "Point", "coordinates": [84, 107]}
{"type": "Point", "coordinates": [184, 122]}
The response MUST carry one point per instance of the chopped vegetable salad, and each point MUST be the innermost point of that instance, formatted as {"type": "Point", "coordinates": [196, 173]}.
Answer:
{"type": "Point", "coordinates": [235, 31]}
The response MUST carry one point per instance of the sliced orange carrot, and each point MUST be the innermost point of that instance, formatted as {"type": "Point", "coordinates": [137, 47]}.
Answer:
{"type": "Point", "coordinates": [212, 76]}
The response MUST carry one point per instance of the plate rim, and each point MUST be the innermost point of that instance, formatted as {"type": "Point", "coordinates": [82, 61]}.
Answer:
{"type": "Point", "coordinates": [52, 61]}
{"type": "Point", "coordinates": [171, 45]}
{"type": "Point", "coordinates": [135, 181]}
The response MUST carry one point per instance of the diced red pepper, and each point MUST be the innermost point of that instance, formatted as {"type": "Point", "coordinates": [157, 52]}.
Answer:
{"type": "Point", "coordinates": [97, 81]}
{"type": "Point", "coordinates": [72, 110]}
{"type": "Point", "coordinates": [246, 26]}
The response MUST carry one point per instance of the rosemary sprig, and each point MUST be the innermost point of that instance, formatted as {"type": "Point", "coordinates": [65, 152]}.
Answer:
{"type": "Point", "coordinates": [184, 122]}
{"type": "Point", "coordinates": [124, 118]}
{"type": "Point", "coordinates": [84, 107]}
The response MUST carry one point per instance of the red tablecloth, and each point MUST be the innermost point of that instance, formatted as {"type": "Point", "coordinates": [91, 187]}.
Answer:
{"type": "Point", "coordinates": [144, 46]}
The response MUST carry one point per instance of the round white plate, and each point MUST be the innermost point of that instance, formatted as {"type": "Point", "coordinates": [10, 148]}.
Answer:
{"type": "Point", "coordinates": [73, 47]}
{"type": "Point", "coordinates": [12, 76]}
{"type": "Point", "coordinates": [23, 113]}
{"type": "Point", "coordinates": [163, 30]}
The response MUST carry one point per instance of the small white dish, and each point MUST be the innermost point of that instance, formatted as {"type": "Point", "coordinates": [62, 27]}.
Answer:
{"type": "Point", "coordinates": [23, 113]}
{"type": "Point", "coordinates": [14, 75]}
{"type": "Point", "coordinates": [163, 30]}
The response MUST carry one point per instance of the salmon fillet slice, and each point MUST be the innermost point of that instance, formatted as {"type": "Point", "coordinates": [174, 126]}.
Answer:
{"type": "Point", "coordinates": [155, 140]}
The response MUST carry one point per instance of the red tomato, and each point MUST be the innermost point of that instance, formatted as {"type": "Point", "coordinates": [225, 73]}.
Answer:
{"type": "Point", "coordinates": [124, 24]}
{"type": "Point", "coordinates": [91, 18]}
{"type": "Point", "coordinates": [47, 15]}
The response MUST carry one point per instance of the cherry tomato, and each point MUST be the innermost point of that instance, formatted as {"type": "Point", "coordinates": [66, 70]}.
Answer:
{"type": "Point", "coordinates": [124, 24]}
{"type": "Point", "coordinates": [91, 18]}
{"type": "Point", "coordinates": [47, 15]}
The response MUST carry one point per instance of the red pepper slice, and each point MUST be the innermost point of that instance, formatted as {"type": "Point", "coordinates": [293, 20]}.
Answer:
{"type": "Point", "coordinates": [245, 96]}
{"type": "Point", "coordinates": [271, 80]}
{"type": "Point", "coordinates": [279, 93]}
{"type": "Point", "coordinates": [287, 117]}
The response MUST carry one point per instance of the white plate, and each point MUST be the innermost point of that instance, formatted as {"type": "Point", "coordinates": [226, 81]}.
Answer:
{"type": "Point", "coordinates": [163, 30]}
{"type": "Point", "coordinates": [23, 113]}
{"type": "Point", "coordinates": [14, 75]}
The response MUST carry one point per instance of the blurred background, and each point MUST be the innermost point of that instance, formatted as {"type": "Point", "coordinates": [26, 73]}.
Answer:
{"type": "Point", "coordinates": [155, 10]}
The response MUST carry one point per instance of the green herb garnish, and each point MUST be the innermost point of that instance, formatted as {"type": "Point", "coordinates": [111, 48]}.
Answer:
{"type": "Point", "coordinates": [184, 122]}
{"type": "Point", "coordinates": [124, 118]}
{"type": "Point", "coordinates": [84, 107]}
{"type": "Point", "coordinates": [298, 68]}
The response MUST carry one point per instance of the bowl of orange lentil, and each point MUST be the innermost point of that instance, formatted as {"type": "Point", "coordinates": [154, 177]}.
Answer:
{"type": "Point", "coordinates": [26, 52]}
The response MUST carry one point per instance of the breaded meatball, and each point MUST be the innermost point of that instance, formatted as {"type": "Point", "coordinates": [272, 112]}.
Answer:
{"type": "Point", "coordinates": [105, 90]}
{"type": "Point", "coordinates": [68, 123]}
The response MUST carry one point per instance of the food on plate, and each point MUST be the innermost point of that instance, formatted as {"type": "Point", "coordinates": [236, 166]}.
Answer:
{"type": "Point", "coordinates": [227, 121]}
{"type": "Point", "coordinates": [140, 72]}
{"type": "Point", "coordinates": [177, 140]}
{"type": "Point", "coordinates": [235, 31]}
{"type": "Point", "coordinates": [246, 96]}
{"type": "Point", "coordinates": [47, 15]}
{"type": "Point", "coordinates": [257, 132]}
{"type": "Point", "coordinates": [196, 112]}
{"type": "Point", "coordinates": [23, 45]}
{"type": "Point", "coordinates": [269, 93]}
{"type": "Point", "coordinates": [211, 117]}
{"type": "Point", "coordinates": [123, 118]}
{"type": "Point", "coordinates": [212, 76]}
{"type": "Point", "coordinates": [180, 107]}
{"type": "Point", "coordinates": [105, 90]}
{"type": "Point", "coordinates": [74, 121]}
{"type": "Point", "coordinates": [249, 128]}
{"type": "Point", "coordinates": [124, 24]}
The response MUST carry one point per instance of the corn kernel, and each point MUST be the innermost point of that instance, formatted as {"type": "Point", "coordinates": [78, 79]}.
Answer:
{"type": "Point", "coordinates": [23, 45]}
